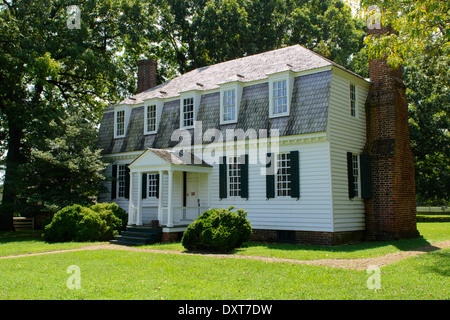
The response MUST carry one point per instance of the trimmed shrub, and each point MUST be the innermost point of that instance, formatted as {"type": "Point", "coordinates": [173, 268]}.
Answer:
{"type": "Point", "coordinates": [116, 211]}
{"type": "Point", "coordinates": [217, 230]}
{"type": "Point", "coordinates": [78, 223]}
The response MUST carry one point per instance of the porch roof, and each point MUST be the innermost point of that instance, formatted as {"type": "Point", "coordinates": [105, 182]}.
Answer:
{"type": "Point", "coordinates": [159, 159]}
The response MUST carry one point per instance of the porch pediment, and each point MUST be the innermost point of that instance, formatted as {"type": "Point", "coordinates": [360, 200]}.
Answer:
{"type": "Point", "coordinates": [159, 159]}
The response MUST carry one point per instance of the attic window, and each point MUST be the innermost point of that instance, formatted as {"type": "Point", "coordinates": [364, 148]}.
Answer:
{"type": "Point", "coordinates": [188, 112]}
{"type": "Point", "coordinates": [279, 97]}
{"type": "Point", "coordinates": [151, 118]}
{"type": "Point", "coordinates": [229, 105]}
{"type": "Point", "coordinates": [120, 123]}
{"type": "Point", "coordinates": [280, 93]}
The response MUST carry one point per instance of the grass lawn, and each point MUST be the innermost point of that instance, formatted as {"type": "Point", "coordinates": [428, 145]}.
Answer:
{"type": "Point", "coordinates": [112, 274]}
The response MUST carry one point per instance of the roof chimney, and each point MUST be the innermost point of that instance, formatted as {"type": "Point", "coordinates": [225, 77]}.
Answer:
{"type": "Point", "coordinates": [146, 74]}
{"type": "Point", "coordinates": [391, 211]}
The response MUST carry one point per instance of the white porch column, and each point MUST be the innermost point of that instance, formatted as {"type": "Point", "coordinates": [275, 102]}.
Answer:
{"type": "Point", "coordinates": [160, 200]}
{"type": "Point", "coordinates": [139, 206]}
{"type": "Point", "coordinates": [169, 200]}
{"type": "Point", "coordinates": [130, 205]}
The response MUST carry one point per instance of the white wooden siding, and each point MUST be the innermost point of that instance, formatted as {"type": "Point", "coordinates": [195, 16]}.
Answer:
{"type": "Point", "coordinates": [346, 134]}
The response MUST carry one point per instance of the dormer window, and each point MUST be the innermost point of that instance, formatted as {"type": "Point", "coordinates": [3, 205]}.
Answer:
{"type": "Point", "coordinates": [279, 97]}
{"type": "Point", "coordinates": [229, 105]}
{"type": "Point", "coordinates": [188, 112]}
{"type": "Point", "coordinates": [152, 114]}
{"type": "Point", "coordinates": [230, 100]}
{"type": "Point", "coordinates": [280, 93]}
{"type": "Point", "coordinates": [120, 123]}
{"type": "Point", "coordinates": [121, 117]}
{"type": "Point", "coordinates": [151, 118]}
{"type": "Point", "coordinates": [189, 104]}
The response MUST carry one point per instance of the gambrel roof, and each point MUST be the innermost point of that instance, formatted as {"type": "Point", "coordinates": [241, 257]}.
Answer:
{"type": "Point", "coordinates": [308, 110]}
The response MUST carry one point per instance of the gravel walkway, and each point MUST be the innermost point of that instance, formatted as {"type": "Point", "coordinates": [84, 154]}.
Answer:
{"type": "Point", "coordinates": [355, 264]}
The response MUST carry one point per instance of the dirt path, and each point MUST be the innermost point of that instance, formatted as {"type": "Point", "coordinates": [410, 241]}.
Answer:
{"type": "Point", "coordinates": [355, 264]}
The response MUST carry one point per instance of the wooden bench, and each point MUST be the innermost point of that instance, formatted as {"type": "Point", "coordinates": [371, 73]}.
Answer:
{"type": "Point", "coordinates": [23, 223]}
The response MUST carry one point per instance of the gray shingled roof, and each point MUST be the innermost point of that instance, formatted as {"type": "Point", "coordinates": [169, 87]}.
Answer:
{"type": "Point", "coordinates": [308, 114]}
{"type": "Point", "coordinates": [308, 110]}
{"type": "Point", "coordinates": [251, 68]}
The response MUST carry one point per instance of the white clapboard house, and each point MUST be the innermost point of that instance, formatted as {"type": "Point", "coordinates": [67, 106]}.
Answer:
{"type": "Point", "coordinates": [280, 134]}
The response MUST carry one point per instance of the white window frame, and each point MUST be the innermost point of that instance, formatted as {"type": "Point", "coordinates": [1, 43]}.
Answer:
{"type": "Point", "coordinates": [158, 104]}
{"type": "Point", "coordinates": [126, 117]}
{"type": "Point", "coordinates": [356, 175]}
{"type": "Point", "coordinates": [353, 102]}
{"type": "Point", "coordinates": [283, 181]}
{"type": "Point", "coordinates": [234, 168]}
{"type": "Point", "coordinates": [288, 77]}
{"type": "Point", "coordinates": [121, 180]}
{"type": "Point", "coordinates": [195, 96]}
{"type": "Point", "coordinates": [235, 87]}
{"type": "Point", "coordinates": [152, 185]}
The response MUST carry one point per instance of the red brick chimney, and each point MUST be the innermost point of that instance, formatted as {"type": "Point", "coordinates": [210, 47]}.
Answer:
{"type": "Point", "coordinates": [391, 211]}
{"type": "Point", "coordinates": [146, 75]}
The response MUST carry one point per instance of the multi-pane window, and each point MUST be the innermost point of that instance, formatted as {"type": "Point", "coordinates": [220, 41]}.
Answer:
{"type": "Point", "coordinates": [188, 112]}
{"type": "Point", "coordinates": [353, 100]}
{"type": "Point", "coordinates": [152, 185]}
{"type": "Point", "coordinates": [234, 176]}
{"type": "Point", "coordinates": [279, 97]}
{"type": "Point", "coordinates": [120, 123]}
{"type": "Point", "coordinates": [151, 118]}
{"type": "Point", "coordinates": [229, 105]}
{"type": "Point", "coordinates": [355, 174]}
{"type": "Point", "coordinates": [283, 174]}
{"type": "Point", "coordinates": [121, 180]}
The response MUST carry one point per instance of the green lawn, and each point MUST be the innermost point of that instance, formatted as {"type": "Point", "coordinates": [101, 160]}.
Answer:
{"type": "Point", "coordinates": [112, 274]}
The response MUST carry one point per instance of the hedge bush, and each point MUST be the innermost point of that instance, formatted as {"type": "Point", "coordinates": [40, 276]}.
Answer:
{"type": "Point", "coordinates": [99, 222]}
{"type": "Point", "coordinates": [217, 230]}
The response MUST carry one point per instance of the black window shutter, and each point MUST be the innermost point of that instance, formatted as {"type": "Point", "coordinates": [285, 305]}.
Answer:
{"type": "Point", "coordinates": [114, 182]}
{"type": "Point", "coordinates": [127, 182]}
{"type": "Point", "coordinates": [270, 176]}
{"type": "Point", "coordinates": [295, 175]}
{"type": "Point", "coordinates": [223, 178]}
{"type": "Point", "coordinates": [157, 186]}
{"type": "Point", "coordinates": [351, 183]}
{"type": "Point", "coordinates": [366, 188]}
{"type": "Point", "coordinates": [144, 186]}
{"type": "Point", "coordinates": [244, 177]}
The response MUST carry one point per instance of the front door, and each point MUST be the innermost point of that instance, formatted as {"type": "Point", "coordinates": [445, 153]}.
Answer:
{"type": "Point", "coordinates": [191, 195]}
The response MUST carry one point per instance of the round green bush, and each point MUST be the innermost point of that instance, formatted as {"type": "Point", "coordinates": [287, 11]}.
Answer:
{"type": "Point", "coordinates": [77, 223]}
{"type": "Point", "coordinates": [217, 230]}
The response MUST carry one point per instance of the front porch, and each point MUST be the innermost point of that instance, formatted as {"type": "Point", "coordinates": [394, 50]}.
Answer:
{"type": "Point", "coordinates": [169, 189]}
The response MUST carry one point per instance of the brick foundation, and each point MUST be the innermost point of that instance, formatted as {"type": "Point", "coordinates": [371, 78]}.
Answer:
{"type": "Point", "coordinates": [391, 212]}
{"type": "Point", "coordinates": [171, 236]}
{"type": "Point", "coordinates": [309, 237]}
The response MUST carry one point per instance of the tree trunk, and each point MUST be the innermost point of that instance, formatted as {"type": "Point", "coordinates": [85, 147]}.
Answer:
{"type": "Point", "coordinates": [12, 177]}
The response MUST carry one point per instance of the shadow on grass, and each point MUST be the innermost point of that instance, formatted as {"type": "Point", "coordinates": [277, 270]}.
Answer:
{"type": "Point", "coordinates": [402, 245]}
{"type": "Point", "coordinates": [15, 236]}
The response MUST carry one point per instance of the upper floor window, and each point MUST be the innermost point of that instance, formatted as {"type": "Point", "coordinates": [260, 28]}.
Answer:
{"type": "Point", "coordinates": [280, 97]}
{"type": "Point", "coordinates": [352, 100]}
{"type": "Point", "coordinates": [188, 112]}
{"type": "Point", "coordinates": [229, 105]}
{"type": "Point", "coordinates": [120, 123]}
{"type": "Point", "coordinates": [151, 118]}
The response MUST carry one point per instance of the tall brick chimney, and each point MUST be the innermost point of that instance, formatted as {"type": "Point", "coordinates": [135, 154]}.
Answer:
{"type": "Point", "coordinates": [391, 212]}
{"type": "Point", "coordinates": [146, 75]}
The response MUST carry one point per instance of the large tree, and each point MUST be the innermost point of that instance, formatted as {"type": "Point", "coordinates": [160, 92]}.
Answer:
{"type": "Point", "coordinates": [49, 68]}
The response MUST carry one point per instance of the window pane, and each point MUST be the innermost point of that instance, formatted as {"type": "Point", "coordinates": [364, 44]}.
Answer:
{"type": "Point", "coordinates": [279, 97]}
{"type": "Point", "coordinates": [229, 105]}
{"type": "Point", "coordinates": [283, 174]}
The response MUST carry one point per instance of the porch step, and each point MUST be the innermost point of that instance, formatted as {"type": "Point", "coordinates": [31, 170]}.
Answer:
{"type": "Point", "coordinates": [135, 236]}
